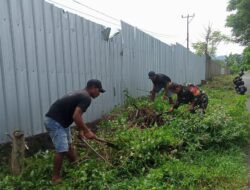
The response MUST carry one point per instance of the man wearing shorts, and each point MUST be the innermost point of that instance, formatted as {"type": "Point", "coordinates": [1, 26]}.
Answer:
{"type": "Point", "coordinates": [160, 81]}
{"type": "Point", "coordinates": [61, 115]}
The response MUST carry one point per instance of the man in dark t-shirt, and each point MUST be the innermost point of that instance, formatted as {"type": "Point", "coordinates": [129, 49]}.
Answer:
{"type": "Point", "coordinates": [62, 114]}
{"type": "Point", "coordinates": [160, 81]}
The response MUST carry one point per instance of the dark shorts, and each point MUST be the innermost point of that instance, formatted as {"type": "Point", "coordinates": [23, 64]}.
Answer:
{"type": "Point", "coordinates": [60, 136]}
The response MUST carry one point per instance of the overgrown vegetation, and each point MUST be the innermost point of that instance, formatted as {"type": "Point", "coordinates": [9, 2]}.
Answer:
{"type": "Point", "coordinates": [236, 62]}
{"type": "Point", "coordinates": [239, 19]}
{"type": "Point", "coordinates": [184, 151]}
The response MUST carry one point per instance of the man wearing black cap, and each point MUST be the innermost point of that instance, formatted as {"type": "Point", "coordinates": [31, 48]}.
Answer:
{"type": "Point", "coordinates": [62, 114]}
{"type": "Point", "coordinates": [160, 81]}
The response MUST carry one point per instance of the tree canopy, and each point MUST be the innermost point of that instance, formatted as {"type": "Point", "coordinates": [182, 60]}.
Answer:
{"type": "Point", "coordinates": [239, 20]}
{"type": "Point", "coordinates": [211, 39]}
{"type": "Point", "coordinates": [234, 60]}
{"type": "Point", "coordinates": [246, 55]}
{"type": "Point", "coordinates": [237, 62]}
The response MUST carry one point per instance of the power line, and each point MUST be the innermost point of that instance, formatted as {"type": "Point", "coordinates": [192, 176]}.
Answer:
{"type": "Point", "coordinates": [106, 15]}
{"type": "Point", "coordinates": [116, 19]}
{"type": "Point", "coordinates": [102, 13]}
{"type": "Point", "coordinates": [75, 10]}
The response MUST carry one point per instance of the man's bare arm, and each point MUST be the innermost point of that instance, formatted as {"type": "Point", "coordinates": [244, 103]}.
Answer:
{"type": "Point", "coordinates": [83, 129]}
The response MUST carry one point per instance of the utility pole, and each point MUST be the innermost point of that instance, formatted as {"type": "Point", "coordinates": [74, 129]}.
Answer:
{"type": "Point", "coordinates": [189, 19]}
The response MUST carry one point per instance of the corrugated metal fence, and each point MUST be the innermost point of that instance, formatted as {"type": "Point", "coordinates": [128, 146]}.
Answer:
{"type": "Point", "coordinates": [215, 69]}
{"type": "Point", "coordinates": [46, 53]}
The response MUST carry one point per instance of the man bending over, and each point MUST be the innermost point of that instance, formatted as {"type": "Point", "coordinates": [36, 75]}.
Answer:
{"type": "Point", "coordinates": [61, 115]}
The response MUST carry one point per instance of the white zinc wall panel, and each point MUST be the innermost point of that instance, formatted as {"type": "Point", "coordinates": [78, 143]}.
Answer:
{"type": "Point", "coordinates": [32, 70]}
{"type": "Point", "coordinates": [80, 51]}
{"type": "Point", "coordinates": [73, 52]}
{"type": "Point", "coordinates": [8, 72]}
{"type": "Point", "coordinates": [3, 126]}
{"type": "Point", "coordinates": [97, 53]}
{"type": "Point", "coordinates": [128, 36]}
{"type": "Point", "coordinates": [41, 55]}
{"type": "Point", "coordinates": [115, 61]}
{"type": "Point", "coordinates": [180, 57]}
{"type": "Point", "coordinates": [168, 60]}
{"type": "Point", "coordinates": [59, 57]}
{"type": "Point", "coordinates": [66, 51]}
{"type": "Point", "coordinates": [118, 65]}
{"type": "Point", "coordinates": [50, 52]}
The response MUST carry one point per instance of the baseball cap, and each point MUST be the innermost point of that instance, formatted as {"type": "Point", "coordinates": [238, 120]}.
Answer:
{"type": "Point", "coordinates": [151, 74]}
{"type": "Point", "coordinates": [96, 83]}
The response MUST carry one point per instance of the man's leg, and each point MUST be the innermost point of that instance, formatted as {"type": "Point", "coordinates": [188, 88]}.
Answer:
{"type": "Point", "coordinates": [71, 154]}
{"type": "Point", "coordinates": [59, 138]}
{"type": "Point", "coordinates": [60, 142]}
{"type": "Point", "coordinates": [58, 160]}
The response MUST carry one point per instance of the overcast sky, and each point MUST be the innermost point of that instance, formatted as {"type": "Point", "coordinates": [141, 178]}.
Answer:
{"type": "Point", "coordinates": [161, 16]}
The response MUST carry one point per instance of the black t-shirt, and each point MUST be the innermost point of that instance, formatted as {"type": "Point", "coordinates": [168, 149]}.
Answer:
{"type": "Point", "coordinates": [160, 82]}
{"type": "Point", "coordinates": [63, 109]}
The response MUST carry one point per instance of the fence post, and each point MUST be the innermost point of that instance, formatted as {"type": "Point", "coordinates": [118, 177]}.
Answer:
{"type": "Point", "coordinates": [17, 154]}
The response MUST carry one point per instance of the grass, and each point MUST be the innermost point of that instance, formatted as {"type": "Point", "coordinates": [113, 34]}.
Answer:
{"type": "Point", "coordinates": [188, 151]}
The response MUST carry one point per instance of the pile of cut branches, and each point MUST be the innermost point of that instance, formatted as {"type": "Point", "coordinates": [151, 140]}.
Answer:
{"type": "Point", "coordinates": [145, 117]}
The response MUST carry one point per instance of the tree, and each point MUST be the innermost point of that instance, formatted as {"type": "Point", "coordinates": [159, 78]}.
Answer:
{"type": "Point", "coordinates": [246, 56]}
{"type": "Point", "coordinates": [209, 44]}
{"type": "Point", "coordinates": [219, 62]}
{"type": "Point", "coordinates": [234, 60]}
{"type": "Point", "coordinates": [239, 20]}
